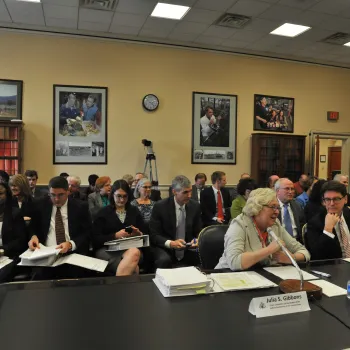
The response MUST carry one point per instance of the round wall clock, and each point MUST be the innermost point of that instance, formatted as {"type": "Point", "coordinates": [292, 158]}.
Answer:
{"type": "Point", "coordinates": [150, 102]}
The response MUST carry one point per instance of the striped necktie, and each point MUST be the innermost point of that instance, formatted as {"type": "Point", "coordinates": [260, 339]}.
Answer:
{"type": "Point", "coordinates": [181, 233]}
{"type": "Point", "coordinates": [59, 227]}
{"type": "Point", "coordinates": [344, 239]}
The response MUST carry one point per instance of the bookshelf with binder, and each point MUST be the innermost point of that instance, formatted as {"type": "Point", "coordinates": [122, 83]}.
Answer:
{"type": "Point", "coordinates": [11, 145]}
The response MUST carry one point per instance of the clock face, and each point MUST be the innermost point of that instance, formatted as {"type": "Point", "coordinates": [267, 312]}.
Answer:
{"type": "Point", "coordinates": [150, 102]}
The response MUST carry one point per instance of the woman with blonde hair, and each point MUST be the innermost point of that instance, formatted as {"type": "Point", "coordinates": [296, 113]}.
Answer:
{"type": "Point", "coordinates": [100, 198]}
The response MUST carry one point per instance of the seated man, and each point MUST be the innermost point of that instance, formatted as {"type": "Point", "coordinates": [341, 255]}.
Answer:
{"type": "Point", "coordinates": [300, 185]}
{"type": "Point", "coordinates": [174, 222]}
{"type": "Point", "coordinates": [271, 181]}
{"type": "Point", "coordinates": [199, 186]}
{"type": "Point", "coordinates": [328, 234]}
{"type": "Point", "coordinates": [74, 183]}
{"type": "Point", "coordinates": [61, 221]}
{"type": "Point", "coordinates": [215, 201]}
{"type": "Point", "coordinates": [32, 176]}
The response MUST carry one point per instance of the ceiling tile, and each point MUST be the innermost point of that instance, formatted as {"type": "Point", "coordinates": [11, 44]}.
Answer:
{"type": "Point", "coordinates": [266, 43]}
{"type": "Point", "coordinates": [73, 3]}
{"type": "Point", "coordinates": [317, 34]}
{"type": "Point", "coordinates": [180, 2]}
{"type": "Point", "coordinates": [4, 15]}
{"type": "Point", "coordinates": [320, 48]}
{"type": "Point", "coordinates": [160, 24]}
{"type": "Point", "coordinates": [142, 7]}
{"type": "Point", "coordinates": [188, 37]}
{"type": "Point", "coordinates": [124, 30]}
{"type": "Point", "coordinates": [310, 18]}
{"type": "Point", "coordinates": [269, 1]}
{"type": "Point", "coordinates": [249, 7]}
{"type": "Point", "coordinates": [202, 16]}
{"type": "Point", "coordinates": [282, 13]}
{"type": "Point", "coordinates": [331, 7]}
{"type": "Point", "coordinates": [234, 43]}
{"type": "Point", "coordinates": [190, 27]}
{"type": "Point", "coordinates": [209, 40]}
{"type": "Point", "coordinates": [248, 36]}
{"type": "Point", "coordinates": [61, 23]}
{"type": "Point", "coordinates": [262, 25]}
{"type": "Point", "coordinates": [94, 26]}
{"type": "Point", "coordinates": [217, 5]}
{"type": "Point", "coordinates": [26, 12]}
{"type": "Point", "coordinates": [328, 56]}
{"type": "Point", "coordinates": [55, 11]}
{"type": "Point", "coordinates": [128, 19]}
{"type": "Point", "coordinates": [154, 33]}
{"type": "Point", "coordinates": [336, 23]}
{"type": "Point", "coordinates": [302, 4]}
{"type": "Point", "coordinates": [220, 32]}
{"type": "Point", "coordinates": [100, 16]}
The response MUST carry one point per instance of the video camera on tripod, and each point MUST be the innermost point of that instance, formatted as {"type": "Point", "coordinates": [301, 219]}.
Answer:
{"type": "Point", "coordinates": [149, 157]}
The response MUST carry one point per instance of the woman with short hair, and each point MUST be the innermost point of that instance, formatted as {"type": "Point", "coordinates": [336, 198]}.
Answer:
{"type": "Point", "coordinates": [244, 187]}
{"type": "Point", "coordinates": [100, 198]}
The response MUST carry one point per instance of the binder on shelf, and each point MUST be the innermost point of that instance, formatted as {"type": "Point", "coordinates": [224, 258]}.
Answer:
{"type": "Point", "coordinates": [127, 243]}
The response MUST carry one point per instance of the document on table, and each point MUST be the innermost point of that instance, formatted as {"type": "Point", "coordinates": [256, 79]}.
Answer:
{"type": "Point", "coordinates": [329, 289]}
{"type": "Point", "coordinates": [82, 261]}
{"type": "Point", "coordinates": [347, 259]}
{"type": "Point", "coordinates": [4, 260]}
{"type": "Point", "coordinates": [289, 272]}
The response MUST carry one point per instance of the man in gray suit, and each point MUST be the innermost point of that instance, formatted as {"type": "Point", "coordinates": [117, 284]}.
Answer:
{"type": "Point", "coordinates": [291, 214]}
{"type": "Point", "coordinates": [199, 186]}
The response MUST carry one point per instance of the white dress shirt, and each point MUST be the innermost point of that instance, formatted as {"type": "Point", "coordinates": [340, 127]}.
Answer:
{"type": "Point", "coordinates": [177, 212]}
{"type": "Point", "coordinates": [205, 124]}
{"type": "Point", "coordinates": [295, 230]}
{"type": "Point", "coordinates": [51, 237]}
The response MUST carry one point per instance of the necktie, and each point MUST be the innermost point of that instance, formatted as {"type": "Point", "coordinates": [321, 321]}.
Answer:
{"type": "Point", "coordinates": [220, 208]}
{"type": "Point", "coordinates": [287, 220]}
{"type": "Point", "coordinates": [181, 232]}
{"type": "Point", "coordinates": [345, 240]}
{"type": "Point", "coordinates": [59, 227]}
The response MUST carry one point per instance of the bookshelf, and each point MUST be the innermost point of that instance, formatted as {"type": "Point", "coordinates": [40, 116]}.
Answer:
{"type": "Point", "coordinates": [11, 147]}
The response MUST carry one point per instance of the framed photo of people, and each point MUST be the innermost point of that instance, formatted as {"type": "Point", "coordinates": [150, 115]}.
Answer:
{"type": "Point", "coordinates": [214, 128]}
{"type": "Point", "coordinates": [11, 99]}
{"type": "Point", "coordinates": [273, 113]}
{"type": "Point", "coordinates": [79, 125]}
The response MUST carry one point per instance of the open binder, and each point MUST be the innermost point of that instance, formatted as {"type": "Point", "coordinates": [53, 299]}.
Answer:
{"type": "Point", "coordinates": [127, 243]}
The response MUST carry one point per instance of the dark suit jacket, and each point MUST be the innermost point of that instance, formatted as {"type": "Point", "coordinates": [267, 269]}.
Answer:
{"type": "Point", "coordinates": [155, 195]}
{"type": "Point", "coordinates": [13, 233]}
{"type": "Point", "coordinates": [79, 222]}
{"type": "Point", "coordinates": [107, 224]}
{"type": "Point", "coordinates": [311, 209]}
{"type": "Point", "coordinates": [195, 193]}
{"type": "Point", "coordinates": [319, 244]}
{"type": "Point", "coordinates": [78, 195]}
{"type": "Point", "coordinates": [162, 225]}
{"type": "Point", "coordinates": [40, 192]}
{"type": "Point", "coordinates": [208, 205]}
{"type": "Point", "coordinates": [27, 208]}
{"type": "Point", "coordinates": [299, 218]}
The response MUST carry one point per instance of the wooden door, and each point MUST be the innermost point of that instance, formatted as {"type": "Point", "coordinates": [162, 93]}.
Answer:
{"type": "Point", "coordinates": [334, 160]}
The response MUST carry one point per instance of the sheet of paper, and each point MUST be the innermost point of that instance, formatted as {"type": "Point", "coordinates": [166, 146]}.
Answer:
{"type": "Point", "coordinates": [83, 261]}
{"type": "Point", "coordinates": [289, 272]}
{"type": "Point", "coordinates": [41, 253]}
{"type": "Point", "coordinates": [4, 260]}
{"type": "Point", "coordinates": [330, 289]}
{"type": "Point", "coordinates": [347, 259]}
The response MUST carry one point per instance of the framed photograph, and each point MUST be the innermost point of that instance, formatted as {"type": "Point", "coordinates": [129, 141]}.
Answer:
{"type": "Point", "coordinates": [273, 113]}
{"type": "Point", "coordinates": [11, 99]}
{"type": "Point", "coordinates": [322, 158]}
{"type": "Point", "coordinates": [214, 128]}
{"type": "Point", "coordinates": [79, 124]}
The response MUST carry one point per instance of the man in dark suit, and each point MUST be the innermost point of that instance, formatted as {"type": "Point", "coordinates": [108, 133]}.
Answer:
{"type": "Point", "coordinates": [291, 214]}
{"type": "Point", "coordinates": [174, 222]}
{"type": "Point", "coordinates": [216, 201]}
{"type": "Point", "coordinates": [32, 176]}
{"type": "Point", "coordinates": [328, 234]}
{"type": "Point", "coordinates": [199, 186]}
{"type": "Point", "coordinates": [61, 221]}
{"type": "Point", "coordinates": [74, 183]}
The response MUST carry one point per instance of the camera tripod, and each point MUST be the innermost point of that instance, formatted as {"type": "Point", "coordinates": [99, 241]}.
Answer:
{"type": "Point", "coordinates": [148, 164]}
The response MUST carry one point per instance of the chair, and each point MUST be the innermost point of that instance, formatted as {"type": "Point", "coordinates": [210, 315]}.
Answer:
{"type": "Point", "coordinates": [303, 233]}
{"type": "Point", "coordinates": [211, 245]}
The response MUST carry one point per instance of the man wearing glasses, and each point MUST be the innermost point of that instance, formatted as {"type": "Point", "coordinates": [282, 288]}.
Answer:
{"type": "Point", "coordinates": [291, 214]}
{"type": "Point", "coordinates": [328, 235]}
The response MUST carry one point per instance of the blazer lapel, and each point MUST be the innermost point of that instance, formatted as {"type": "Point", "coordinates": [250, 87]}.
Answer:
{"type": "Point", "coordinates": [47, 211]}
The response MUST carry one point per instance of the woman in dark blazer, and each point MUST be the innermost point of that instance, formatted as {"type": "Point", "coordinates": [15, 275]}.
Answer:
{"type": "Point", "coordinates": [110, 224]}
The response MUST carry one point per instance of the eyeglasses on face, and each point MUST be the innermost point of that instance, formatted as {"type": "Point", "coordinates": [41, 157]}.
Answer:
{"type": "Point", "coordinates": [58, 195]}
{"type": "Point", "coordinates": [287, 189]}
{"type": "Point", "coordinates": [273, 207]}
{"type": "Point", "coordinates": [335, 200]}
{"type": "Point", "coordinates": [120, 196]}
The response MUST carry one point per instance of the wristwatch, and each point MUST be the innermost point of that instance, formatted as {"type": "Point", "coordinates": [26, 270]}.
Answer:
{"type": "Point", "coordinates": [2, 253]}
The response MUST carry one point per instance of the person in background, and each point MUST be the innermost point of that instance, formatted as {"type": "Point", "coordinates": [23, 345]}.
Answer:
{"type": "Point", "coordinates": [4, 177]}
{"type": "Point", "coordinates": [247, 242]}
{"type": "Point", "coordinates": [110, 224]}
{"type": "Point", "coordinates": [32, 176]}
{"type": "Point", "coordinates": [271, 181]}
{"type": "Point", "coordinates": [74, 183]}
{"type": "Point", "coordinates": [343, 179]}
{"type": "Point", "coordinates": [315, 204]}
{"type": "Point", "coordinates": [244, 187]}
{"type": "Point", "coordinates": [100, 198]}
{"type": "Point", "coordinates": [129, 179]}
{"type": "Point", "coordinates": [91, 188]}
{"type": "Point", "coordinates": [65, 175]}
{"type": "Point", "coordinates": [233, 191]}
{"type": "Point", "coordinates": [301, 185]}
{"type": "Point", "coordinates": [304, 197]}
{"type": "Point", "coordinates": [155, 194]}
{"type": "Point", "coordinates": [200, 180]}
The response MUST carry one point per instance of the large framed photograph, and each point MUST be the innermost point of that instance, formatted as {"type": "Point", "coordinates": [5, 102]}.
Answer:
{"type": "Point", "coordinates": [214, 128]}
{"type": "Point", "coordinates": [79, 125]}
{"type": "Point", "coordinates": [11, 99]}
{"type": "Point", "coordinates": [273, 113]}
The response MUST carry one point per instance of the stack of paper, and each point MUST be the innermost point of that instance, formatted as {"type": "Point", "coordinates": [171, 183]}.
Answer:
{"type": "Point", "coordinates": [45, 256]}
{"type": "Point", "coordinates": [289, 272]}
{"type": "Point", "coordinates": [241, 281]}
{"type": "Point", "coordinates": [330, 289]}
{"type": "Point", "coordinates": [127, 243]}
{"type": "Point", "coordinates": [4, 260]}
{"type": "Point", "coordinates": [181, 281]}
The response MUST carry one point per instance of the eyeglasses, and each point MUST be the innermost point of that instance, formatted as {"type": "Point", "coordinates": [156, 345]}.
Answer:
{"type": "Point", "coordinates": [288, 189]}
{"type": "Point", "coordinates": [335, 200]}
{"type": "Point", "coordinates": [59, 195]}
{"type": "Point", "coordinates": [120, 196]}
{"type": "Point", "coordinates": [273, 207]}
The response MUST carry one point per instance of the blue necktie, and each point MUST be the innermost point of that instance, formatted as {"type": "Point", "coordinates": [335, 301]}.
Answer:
{"type": "Point", "coordinates": [287, 220]}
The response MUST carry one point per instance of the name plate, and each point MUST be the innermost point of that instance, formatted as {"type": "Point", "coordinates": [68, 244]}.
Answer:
{"type": "Point", "coordinates": [280, 304]}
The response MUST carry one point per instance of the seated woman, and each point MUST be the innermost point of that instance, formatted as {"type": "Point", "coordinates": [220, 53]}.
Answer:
{"type": "Point", "coordinates": [244, 187]}
{"type": "Point", "coordinates": [247, 242]}
{"type": "Point", "coordinates": [110, 224]}
{"type": "Point", "coordinates": [100, 198]}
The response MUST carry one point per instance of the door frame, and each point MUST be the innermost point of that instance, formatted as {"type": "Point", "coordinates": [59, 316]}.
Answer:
{"type": "Point", "coordinates": [329, 152]}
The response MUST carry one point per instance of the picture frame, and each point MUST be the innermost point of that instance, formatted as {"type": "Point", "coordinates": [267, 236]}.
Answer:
{"type": "Point", "coordinates": [214, 133]}
{"type": "Point", "coordinates": [322, 158]}
{"type": "Point", "coordinates": [273, 113]}
{"type": "Point", "coordinates": [11, 99]}
{"type": "Point", "coordinates": [80, 124]}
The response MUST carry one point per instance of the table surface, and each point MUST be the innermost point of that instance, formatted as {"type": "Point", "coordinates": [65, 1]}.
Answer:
{"type": "Point", "coordinates": [130, 313]}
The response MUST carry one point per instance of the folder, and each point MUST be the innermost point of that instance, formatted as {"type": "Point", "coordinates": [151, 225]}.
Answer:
{"type": "Point", "coordinates": [127, 243]}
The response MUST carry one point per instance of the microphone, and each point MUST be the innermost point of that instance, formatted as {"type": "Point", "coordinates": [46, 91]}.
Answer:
{"type": "Point", "coordinates": [273, 235]}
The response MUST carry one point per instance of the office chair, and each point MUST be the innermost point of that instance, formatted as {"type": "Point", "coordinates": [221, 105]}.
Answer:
{"type": "Point", "coordinates": [211, 245]}
{"type": "Point", "coordinates": [303, 233]}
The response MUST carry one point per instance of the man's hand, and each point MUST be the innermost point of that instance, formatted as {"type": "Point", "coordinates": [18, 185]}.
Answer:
{"type": "Point", "coordinates": [330, 221]}
{"type": "Point", "coordinates": [178, 244]}
{"type": "Point", "coordinates": [194, 243]}
{"type": "Point", "coordinates": [34, 243]}
{"type": "Point", "coordinates": [65, 247]}
{"type": "Point", "coordinates": [220, 221]}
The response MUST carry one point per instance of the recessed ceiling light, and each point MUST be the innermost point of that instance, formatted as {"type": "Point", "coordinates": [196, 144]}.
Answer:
{"type": "Point", "coordinates": [169, 11]}
{"type": "Point", "coordinates": [291, 30]}
{"type": "Point", "coordinates": [347, 44]}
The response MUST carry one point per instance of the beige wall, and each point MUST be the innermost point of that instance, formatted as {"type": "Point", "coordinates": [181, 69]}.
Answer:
{"type": "Point", "coordinates": [130, 71]}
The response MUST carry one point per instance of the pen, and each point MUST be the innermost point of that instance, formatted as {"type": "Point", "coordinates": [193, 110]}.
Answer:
{"type": "Point", "coordinates": [323, 274]}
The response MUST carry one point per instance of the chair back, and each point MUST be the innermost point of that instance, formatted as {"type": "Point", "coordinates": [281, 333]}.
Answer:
{"type": "Point", "coordinates": [303, 233]}
{"type": "Point", "coordinates": [211, 245]}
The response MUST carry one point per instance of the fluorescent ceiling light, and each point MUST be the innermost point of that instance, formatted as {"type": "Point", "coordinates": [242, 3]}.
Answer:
{"type": "Point", "coordinates": [291, 30]}
{"type": "Point", "coordinates": [169, 11]}
{"type": "Point", "coordinates": [347, 44]}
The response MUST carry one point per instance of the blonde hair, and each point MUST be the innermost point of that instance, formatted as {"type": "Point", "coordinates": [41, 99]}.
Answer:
{"type": "Point", "coordinates": [128, 178]}
{"type": "Point", "coordinates": [257, 199]}
{"type": "Point", "coordinates": [22, 183]}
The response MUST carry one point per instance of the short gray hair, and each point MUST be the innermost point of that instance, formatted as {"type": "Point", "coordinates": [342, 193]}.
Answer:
{"type": "Point", "coordinates": [180, 182]}
{"type": "Point", "coordinates": [139, 185]}
{"type": "Point", "coordinates": [257, 199]}
{"type": "Point", "coordinates": [338, 176]}
{"type": "Point", "coordinates": [278, 182]}
{"type": "Point", "coordinates": [74, 178]}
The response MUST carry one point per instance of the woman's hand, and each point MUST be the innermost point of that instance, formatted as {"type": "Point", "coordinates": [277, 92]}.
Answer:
{"type": "Point", "coordinates": [121, 234]}
{"type": "Point", "coordinates": [281, 258]}
{"type": "Point", "coordinates": [274, 247]}
{"type": "Point", "coordinates": [135, 231]}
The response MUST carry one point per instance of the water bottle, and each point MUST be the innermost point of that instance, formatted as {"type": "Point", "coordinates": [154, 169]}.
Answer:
{"type": "Point", "coordinates": [348, 290]}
